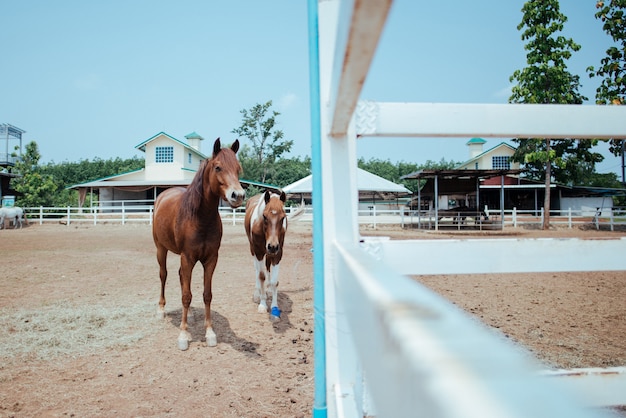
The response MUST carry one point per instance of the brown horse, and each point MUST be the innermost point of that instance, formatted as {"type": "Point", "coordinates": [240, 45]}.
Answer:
{"type": "Point", "coordinates": [266, 224]}
{"type": "Point", "coordinates": [187, 222]}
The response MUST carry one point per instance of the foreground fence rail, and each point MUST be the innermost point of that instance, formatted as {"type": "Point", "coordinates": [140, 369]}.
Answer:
{"type": "Point", "coordinates": [384, 345]}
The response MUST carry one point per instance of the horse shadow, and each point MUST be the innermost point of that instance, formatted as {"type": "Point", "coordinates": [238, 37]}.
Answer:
{"type": "Point", "coordinates": [221, 325]}
{"type": "Point", "coordinates": [286, 305]}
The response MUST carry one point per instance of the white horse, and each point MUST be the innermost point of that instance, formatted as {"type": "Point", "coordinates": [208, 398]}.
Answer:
{"type": "Point", "coordinates": [15, 214]}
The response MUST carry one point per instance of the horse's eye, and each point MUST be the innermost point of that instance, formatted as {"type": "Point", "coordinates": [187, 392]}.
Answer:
{"type": "Point", "coordinates": [218, 168]}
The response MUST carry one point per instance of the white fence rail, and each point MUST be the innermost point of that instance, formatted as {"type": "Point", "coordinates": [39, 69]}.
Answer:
{"type": "Point", "coordinates": [131, 212]}
{"type": "Point", "coordinates": [111, 214]}
{"type": "Point", "coordinates": [386, 346]}
{"type": "Point", "coordinates": [126, 212]}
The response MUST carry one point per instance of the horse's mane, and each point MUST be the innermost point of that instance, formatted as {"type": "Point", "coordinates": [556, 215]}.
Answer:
{"type": "Point", "coordinates": [192, 198]}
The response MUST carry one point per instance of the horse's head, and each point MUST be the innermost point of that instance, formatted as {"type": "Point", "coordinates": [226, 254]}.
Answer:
{"type": "Point", "coordinates": [274, 221]}
{"type": "Point", "coordinates": [222, 174]}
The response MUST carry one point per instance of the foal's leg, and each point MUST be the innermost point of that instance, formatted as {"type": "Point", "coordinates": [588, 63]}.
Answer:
{"type": "Point", "coordinates": [273, 287]}
{"type": "Point", "coordinates": [209, 268]}
{"type": "Point", "coordinates": [162, 259]}
{"type": "Point", "coordinates": [186, 267]}
{"type": "Point", "coordinates": [259, 288]}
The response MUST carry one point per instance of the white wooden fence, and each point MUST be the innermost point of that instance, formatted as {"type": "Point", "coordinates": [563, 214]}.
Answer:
{"type": "Point", "coordinates": [130, 212]}
{"type": "Point", "coordinates": [123, 213]}
{"type": "Point", "coordinates": [384, 345]}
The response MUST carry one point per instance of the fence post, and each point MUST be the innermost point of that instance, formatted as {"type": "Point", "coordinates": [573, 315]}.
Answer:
{"type": "Point", "coordinates": [94, 213]}
{"type": "Point", "coordinates": [151, 211]}
{"type": "Point", "coordinates": [374, 212]}
{"type": "Point", "coordinates": [514, 215]}
{"type": "Point", "coordinates": [69, 211]}
{"type": "Point", "coordinates": [611, 218]}
{"type": "Point", "coordinates": [123, 214]}
{"type": "Point", "coordinates": [541, 217]}
{"type": "Point", "coordinates": [569, 218]}
{"type": "Point", "coordinates": [40, 215]}
{"type": "Point", "coordinates": [234, 219]}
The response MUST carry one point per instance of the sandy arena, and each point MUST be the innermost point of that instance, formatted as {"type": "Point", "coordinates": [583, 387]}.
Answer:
{"type": "Point", "coordinates": [80, 335]}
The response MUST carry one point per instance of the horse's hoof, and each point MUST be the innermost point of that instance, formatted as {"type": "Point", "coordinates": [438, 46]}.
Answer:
{"type": "Point", "coordinates": [160, 313]}
{"type": "Point", "coordinates": [183, 344]}
{"type": "Point", "coordinates": [261, 309]}
{"type": "Point", "coordinates": [211, 340]}
{"type": "Point", "coordinates": [275, 314]}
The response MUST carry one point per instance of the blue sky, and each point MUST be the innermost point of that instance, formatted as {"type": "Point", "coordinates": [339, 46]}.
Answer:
{"type": "Point", "coordinates": [94, 79]}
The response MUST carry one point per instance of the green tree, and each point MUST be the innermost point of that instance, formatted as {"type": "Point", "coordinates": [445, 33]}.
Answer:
{"type": "Point", "coordinates": [35, 188]}
{"type": "Point", "coordinates": [612, 70]}
{"type": "Point", "coordinates": [546, 80]}
{"type": "Point", "coordinates": [67, 174]}
{"type": "Point", "coordinates": [268, 143]}
{"type": "Point", "coordinates": [291, 170]}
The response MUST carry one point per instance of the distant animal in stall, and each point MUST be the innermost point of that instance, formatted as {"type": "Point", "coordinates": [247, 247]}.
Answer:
{"type": "Point", "coordinates": [14, 214]}
{"type": "Point", "coordinates": [266, 224]}
{"type": "Point", "coordinates": [187, 222]}
{"type": "Point", "coordinates": [461, 213]}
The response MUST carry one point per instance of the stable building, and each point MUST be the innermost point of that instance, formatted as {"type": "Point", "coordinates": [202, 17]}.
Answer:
{"type": "Point", "coordinates": [169, 162]}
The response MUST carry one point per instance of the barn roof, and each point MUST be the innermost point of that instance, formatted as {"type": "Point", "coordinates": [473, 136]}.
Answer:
{"type": "Point", "coordinates": [367, 183]}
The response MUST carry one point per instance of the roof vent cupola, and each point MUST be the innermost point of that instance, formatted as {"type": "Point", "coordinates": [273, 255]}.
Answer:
{"type": "Point", "coordinates": [193, 139]}
{"type": "Point", "coordinates": [475, 147]}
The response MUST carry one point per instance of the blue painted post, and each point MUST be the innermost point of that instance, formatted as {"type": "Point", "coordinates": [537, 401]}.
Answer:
{"type": "Point", "coordinates": [319, 336]}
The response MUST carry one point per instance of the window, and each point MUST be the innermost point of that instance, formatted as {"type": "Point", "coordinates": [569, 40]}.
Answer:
{"type": "Point", "coordinates": [500, 162]}
{"type": "Point", "coordinates": [164, 154]}
{"type": "Point", "coordinates": [189, 158]}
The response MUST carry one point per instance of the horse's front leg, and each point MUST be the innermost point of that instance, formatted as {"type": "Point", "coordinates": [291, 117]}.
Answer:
{"type": "Point", "coordinates": [273, 288]}
{"type": "Point", "coordinates": [186, 267]}
{"type": "Point", "coordinates": [259, 288]}
{"type": "Point", "coordinates": [209, 268]}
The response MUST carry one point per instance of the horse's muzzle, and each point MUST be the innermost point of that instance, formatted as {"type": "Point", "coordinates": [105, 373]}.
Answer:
{"type": "Point", "coordinates": [235, 199]}
{"type": "Point", "coordinates": [272, 249]}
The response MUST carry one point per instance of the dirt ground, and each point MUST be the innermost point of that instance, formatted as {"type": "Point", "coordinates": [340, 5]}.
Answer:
{"type": "Point", "coordinates": [80, 335]}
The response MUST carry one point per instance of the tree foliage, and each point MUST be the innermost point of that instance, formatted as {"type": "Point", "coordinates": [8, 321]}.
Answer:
{"type": "Point", "coordinates": [47, 184]}
{"type": "Point", "coordinates": [546, 80]}
{"type": "Point", "coordinates": [268, 143]}
{"type": "Point", "coordinates": [35, 188]}
{"type": "Point", "coordinates": [612, 70]}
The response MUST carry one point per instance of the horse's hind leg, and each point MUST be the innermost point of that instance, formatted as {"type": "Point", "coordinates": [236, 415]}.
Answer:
{"type": "Point", "coordinates": [162, 259]}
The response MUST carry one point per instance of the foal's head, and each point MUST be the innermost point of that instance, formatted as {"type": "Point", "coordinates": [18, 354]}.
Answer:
{"type": "Point", "coordinates": [274, 221]}
{"type": "Point", "coordinates": [222, 174]}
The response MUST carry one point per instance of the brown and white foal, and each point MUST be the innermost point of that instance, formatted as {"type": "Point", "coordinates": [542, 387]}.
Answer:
{"type": "Point", "coordinates": [266, 224]}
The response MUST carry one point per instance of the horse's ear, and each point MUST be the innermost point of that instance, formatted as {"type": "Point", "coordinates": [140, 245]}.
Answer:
{"type": "Point", "coordinates": [267, 196]}
{"type": "Point", "coordinates": [217, 146]}
{"type": "Point", "coordinates": [235, 146]}
{"type": "Point", "coordinates": [283, 196]}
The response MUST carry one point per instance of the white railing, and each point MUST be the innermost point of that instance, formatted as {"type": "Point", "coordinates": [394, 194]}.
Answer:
{"type": "Point", "coordinates": [122, 213]}
{"type": "Point", "coordinates": [127, 212]}
{"type": "Point", "coordinates": [384, 345]}
{"type": "Point", "coordinates": [110, 214]}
